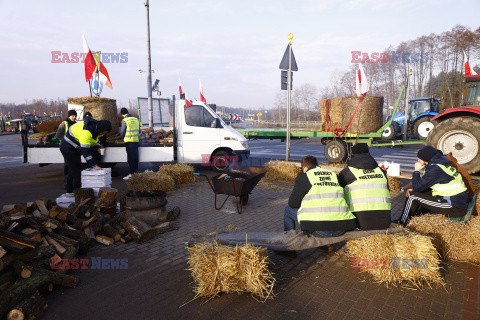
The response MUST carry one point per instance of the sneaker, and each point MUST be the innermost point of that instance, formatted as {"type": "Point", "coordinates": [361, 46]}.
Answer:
{"type": "Point", "coordinates": [128, 177]}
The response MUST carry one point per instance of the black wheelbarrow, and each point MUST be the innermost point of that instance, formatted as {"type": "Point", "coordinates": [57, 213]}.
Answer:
{"type": "Point", "coordinates": [238, 183]}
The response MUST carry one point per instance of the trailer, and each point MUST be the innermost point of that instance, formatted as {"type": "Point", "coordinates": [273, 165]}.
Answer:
{"type": "Point", "coordinates": [336, 143]}
{"type": "Point", "coordinates": [200, 137]}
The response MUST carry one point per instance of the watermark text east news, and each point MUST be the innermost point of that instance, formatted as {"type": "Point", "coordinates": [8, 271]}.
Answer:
{"type": "Point", "coordinates": [79, 57]}
{"type": "Point", "coordinates": [389, 57]}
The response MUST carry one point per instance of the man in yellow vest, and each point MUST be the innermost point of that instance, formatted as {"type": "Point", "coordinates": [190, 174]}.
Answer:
{"type": "Point", "coordinates": [129, 131]}
{"type": "Point", "coordinates": [63, 127]}
{"type": "Point", "coordinates": [449, 195]}
{"type": "Point", "coordinates": [366, 189]}
{"type": "Point", "coordinates": [317, 203]}
{"type": "Point", "coordinates": [80, 140]}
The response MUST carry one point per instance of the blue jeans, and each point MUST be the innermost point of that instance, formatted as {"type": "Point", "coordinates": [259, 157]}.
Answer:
{"type": "Point", "coordinates": [290, 220]}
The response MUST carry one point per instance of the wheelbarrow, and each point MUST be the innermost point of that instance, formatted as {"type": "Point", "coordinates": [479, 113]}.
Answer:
{"type": "Point", "coordinates": [237, 183]}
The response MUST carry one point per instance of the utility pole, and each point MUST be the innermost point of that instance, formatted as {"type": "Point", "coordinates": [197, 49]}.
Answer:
{"type": "Point", "coordinates": [289, 93]}
{"type": "Point", "coordinates": [405, 121]}
{"type": "Point", "coordinates": [149, 69]}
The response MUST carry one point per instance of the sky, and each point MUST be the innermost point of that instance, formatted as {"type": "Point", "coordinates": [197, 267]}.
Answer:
{"type": "Point", "coordinates": [233, 47]}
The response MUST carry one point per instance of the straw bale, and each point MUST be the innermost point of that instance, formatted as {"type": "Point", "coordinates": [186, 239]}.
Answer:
{"type": "Point", "coordinates": [151, 181]}
{"type": "Point", "coordinates": [101, 109]}
{"type": "Point", "coordinates": [48, 126]}
{"type": "Point", "coordinates": [393, 183]}
{"type": "Point", "coordinates": [396, 259]}
{"type": "Point", "coordinates": [180, 172]}
{"type": "Point", "coordinates": [369, 117]}
{"type": "Point", "coordinates": [454, 241]}
{"type": "Point", "coordinates": [218, 268]}
{"type": "Point", "coordinates": [282, 171]}
{"type": "Point", "coordinates": [334, 112]}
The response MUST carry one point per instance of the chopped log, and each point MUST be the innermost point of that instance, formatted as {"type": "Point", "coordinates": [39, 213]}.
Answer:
{"type": "Point", "coordinates": [104, 240]}
{"type": "Point", "coordinates": [20, 291]}
{"type": "Point", "coordinates": [123, 202]}
{"type": "Point", "coordinates": [113, 219]}
{"type": "Point", "coordinates": [120, 229]}
{"type": "Point", "coordinates": [59, 248]}
{"type": "Point", "coordinates": [81, 207]}
{"type": "Point", "coordinates": [50, 204]}
{"type": "Point", "coordinates": [18, 238]}
{"type": "Point", "coordinates": [4, 221]}
{"type": "Point", "coordinates": [41, 207]}
{"type": "Point", "coordinates": [107, 197]}
{"type": "Point", "coordinates": [61, 238]}
{"type": "Point", "coordinates": [169, 227]}
{"type": "Point", "coordinates": [37, 254]}
{"type": "Point", "coordinates": [84, 194]}
{"type": "Point", "coordinates": [13, 247]}
{"type": "Point", "coordinates": [89, 233]}
{"type": "Point", "coordinates": [139, 230]}
{"type": "Point", "coordinates": [111, 211]}
{"type": "Point", "coordinates": [59, 278]}
{"type": "Point", "coordinates": [52, 224]}
{"type": "Point", "coordinates": [7, 279]}
{"type": "Point", "coordinates": [87, 222]}
{"type": "Point", "coordinates": [31, 308]}
{"type": "Point", "coordinates": [162, 225]}
{"type": "Point", "coordinates": [98, 223]}
{"type": "Point", "coordinates": [111, 232]}
{"type": "Point", "coordinates": [45, 242]}
{"type": "Point", "coordinates": [21, 269]}
{"type": "Point", "coordinates": [124, 216]}
{"type": "Point", "coordinates": [126, 238]}
{"type": "Point", "coordinates": [3, 252]}
{"type": "Point", "coordinates": [72, 233]}
{"type": "Point", "coordinates": [83, 244]}
{"type": "Point", "coordinates": [32, 234]}
{"type": "Point", "coordinates": [62, 216]}
{"type": "Point", "coordinates": [173, 214]}
{"type": "Point", "coordinates": [53, 213]}
{"type": "Point", "coordinates": [69, 255]}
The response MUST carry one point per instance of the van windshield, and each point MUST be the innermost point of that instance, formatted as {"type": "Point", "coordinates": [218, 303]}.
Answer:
{"type": "Point", "coordinates": [198, 116]}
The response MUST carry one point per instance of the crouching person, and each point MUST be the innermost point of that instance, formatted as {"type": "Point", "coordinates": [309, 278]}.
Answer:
{"type": "Point", "coordinates": [317, 203]}
{"type": "Point", "coordinates": [366, 190]}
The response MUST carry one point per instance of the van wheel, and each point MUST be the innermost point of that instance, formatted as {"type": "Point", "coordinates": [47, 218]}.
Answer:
{"type": "Point", "coordinates": [221, 160]}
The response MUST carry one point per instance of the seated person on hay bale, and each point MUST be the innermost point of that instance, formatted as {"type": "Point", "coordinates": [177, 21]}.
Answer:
{"type": "Point", "coordinates": [449, 195]}
{"type": "Point", "coordinates": [366, 190]}
{"type": "Point", "coordinates": [317, 203]}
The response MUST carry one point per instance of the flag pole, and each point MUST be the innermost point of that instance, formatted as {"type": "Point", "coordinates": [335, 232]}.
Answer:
{"type": "Point", "coordinates": [98, 75]}
{"type": "Point", "coordinates": [149, 68]}
{"type": "Point", "coordinates": [90, 87]}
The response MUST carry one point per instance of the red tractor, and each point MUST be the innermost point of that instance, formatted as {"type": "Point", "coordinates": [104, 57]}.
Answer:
{"type": "Point", "coordinates": [457, 130]}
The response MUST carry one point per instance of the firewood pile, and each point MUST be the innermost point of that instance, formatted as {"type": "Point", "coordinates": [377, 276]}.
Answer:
{"type": "Point", "coordinates": [151, 136]}
{"type": "Point", "coordinates": [41, 239]}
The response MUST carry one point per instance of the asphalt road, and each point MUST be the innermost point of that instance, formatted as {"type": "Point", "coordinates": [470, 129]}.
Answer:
{"type": "Point", "coordinates": [11, 151]}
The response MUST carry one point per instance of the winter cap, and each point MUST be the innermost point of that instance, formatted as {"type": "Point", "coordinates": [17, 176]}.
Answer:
{"type": "Point", "coordinates": [360, 148]}
{"type": "Point", "coordinates": [427, 153]}
{"type": "Point", "coordinates": [72, 113]}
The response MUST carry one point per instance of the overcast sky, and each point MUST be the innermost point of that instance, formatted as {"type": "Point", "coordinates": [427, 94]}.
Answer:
{"type": "Point", "coordinates": [233, 47]}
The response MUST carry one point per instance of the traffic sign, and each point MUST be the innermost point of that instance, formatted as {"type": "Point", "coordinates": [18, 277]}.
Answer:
{"type": "Point", "coordinates": [284, 62]}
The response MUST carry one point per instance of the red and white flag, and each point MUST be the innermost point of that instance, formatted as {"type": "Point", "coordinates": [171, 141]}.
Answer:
{"type": "Point", "coordinates": [90, 64]}
{"type": "Point", "coordinates": [103, 75]}
{"type": "Point", "coordinates": [361, 83]}
{"type": "Point", "coordinates": [187, 101]}
{"type": "Point", "coordinates": [34, 113]}
{"type": "Point", "coordinates": [468, 71]}
{"type": "Point", "coordinates": [202, 97]}
{"type": "Point", "coordinates": [180, 87]}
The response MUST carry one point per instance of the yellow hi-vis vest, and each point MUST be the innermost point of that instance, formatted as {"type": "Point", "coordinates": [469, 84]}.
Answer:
{"type": "Point", "coordinates": [369, 191]}
{"type": "Point", "coordinates": [133, 129]}
{"type": "Point", "coordinates": [325, 201]}
{"type": "Point", "coordinates": [66, 126]}
{"type": "Point", "coordinates": [80, 138]}
{"type": "Point", "coordinates": [454, 187]}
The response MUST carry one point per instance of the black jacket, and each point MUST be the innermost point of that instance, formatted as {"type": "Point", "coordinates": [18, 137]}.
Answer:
{"type": "Point", "coordinates": [366, 220]}
{"type": "Point", "coordinates": [301, 188]}
{"type": "Point", "coordinates": [433, 175]}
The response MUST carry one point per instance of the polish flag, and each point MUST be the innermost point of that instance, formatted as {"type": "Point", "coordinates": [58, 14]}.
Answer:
{"type": "Point", "coordinates": [180, 87]}
{"type": "Point", "coordinates": [187, 101]}
{"type": "Point", "coordinates": [361, 83]}
{"type": "Point", "coordinates": [34, 113]}
{"type": "Point", "coordinates": [90, 64]}
{"type": "Point", "coordinates": [202, 97]}
{"type": "Point", "coordinates": [103, 75]}
{"type": "Point", "coordinates": [468, 71]}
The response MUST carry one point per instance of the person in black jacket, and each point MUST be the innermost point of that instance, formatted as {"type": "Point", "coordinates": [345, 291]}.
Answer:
{"type": "Point", "coordinates": [449, 195]}
{"type": "Point", "coordinates": [367, 219]}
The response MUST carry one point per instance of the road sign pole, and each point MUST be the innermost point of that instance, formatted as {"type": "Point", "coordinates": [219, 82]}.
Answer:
{"type": "Point", "coordinates": [149, 69]}
{"type": "Point", "coordinates": [405, 119]}
{"type": "Point", "coordinates": [289, 94]}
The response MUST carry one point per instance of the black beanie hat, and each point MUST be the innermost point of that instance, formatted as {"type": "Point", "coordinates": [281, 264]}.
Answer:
{"type": "Point", "coordinates": [123, 111]}
{"type": "Point", "coordinates": [427, 153]}
{"type": "Point", "coordinates": [104, 125]}
{"type": "Point", "coordinates": [360, 148]}
{"type": "Point", "coordinates": [72, 113]}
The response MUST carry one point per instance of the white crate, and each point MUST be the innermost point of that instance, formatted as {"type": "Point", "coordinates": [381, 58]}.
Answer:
{"type": "Point", "coordinates": [96, 178]}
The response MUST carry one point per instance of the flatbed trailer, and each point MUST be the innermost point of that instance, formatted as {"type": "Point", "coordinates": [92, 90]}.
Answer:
{"type": "Point", "coordinates": [336, 146]}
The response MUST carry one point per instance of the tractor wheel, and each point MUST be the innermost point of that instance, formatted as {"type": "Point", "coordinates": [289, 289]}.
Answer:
{"type": "Point", "coordinates": [422, 127]}
{"type": "Point", "coordinates": [390, 132]}
{"type": "Point", "coordinates": [336, 151]}
{"type": "Point", "coordinates": [461, 137]}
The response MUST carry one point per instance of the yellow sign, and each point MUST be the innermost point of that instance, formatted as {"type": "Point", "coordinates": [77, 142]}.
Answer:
{"type": "Point", "coordinates": [259, 114]}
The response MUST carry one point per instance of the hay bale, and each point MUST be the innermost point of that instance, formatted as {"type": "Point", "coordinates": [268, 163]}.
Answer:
{"type": "Point", "coordinates": [393, 183]}
{"type": "Point", "coordinates": [180, 172]}
{"type": "Point", "coordinates": [454, 241]}
{"type": "Point", "coordinates": [396, 259]}
{"type": "Point", "coordinates": [369, 117]}
{"type": "Point", "coordinates": [101, 109]}
{"type": "Point", "coordinates": [282, 171]}
{"type": "Point", "coordinates": [218, 268]}
{"type": "Point", "coordinates": [151, 181]}
{"type": "Point", "coordinates": [48, 126]}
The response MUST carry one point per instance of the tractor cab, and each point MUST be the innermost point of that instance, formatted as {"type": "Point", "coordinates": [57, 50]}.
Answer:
{"type": "Point", "coordinates": [422, 106]}
{"type": "Point", "coordinates": [472, 92]}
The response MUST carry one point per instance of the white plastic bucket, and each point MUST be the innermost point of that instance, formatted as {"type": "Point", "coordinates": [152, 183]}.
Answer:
{"type": "Point", "coordinates": [394, 169]}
